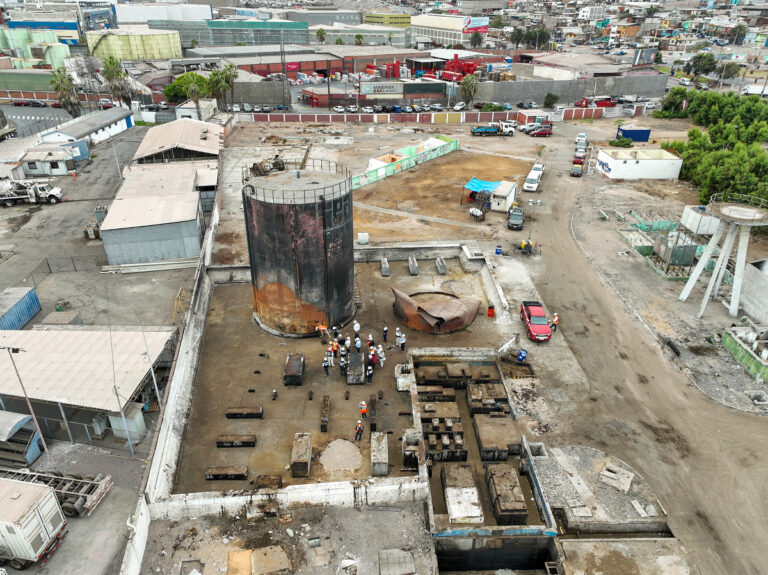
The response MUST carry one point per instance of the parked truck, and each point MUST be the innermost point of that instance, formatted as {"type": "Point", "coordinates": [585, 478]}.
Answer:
{"type": "Point", "coordinates": [32, 524]}
{"type": "Point", "coordinates": [502, 128]}
{"type": "Point", "coordinates": [30, 191]}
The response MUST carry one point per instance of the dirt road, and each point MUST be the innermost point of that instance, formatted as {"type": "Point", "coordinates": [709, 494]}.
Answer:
{"type": "Point", "coordinates": [704, 461]}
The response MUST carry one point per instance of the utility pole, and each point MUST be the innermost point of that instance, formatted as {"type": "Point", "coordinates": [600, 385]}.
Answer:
{"type": "Point", "coordinates": [11, 351]}
{"type": "Point", "coordinates": [328, 80]}
{"type": "Point", "coordinates": [282, 64]}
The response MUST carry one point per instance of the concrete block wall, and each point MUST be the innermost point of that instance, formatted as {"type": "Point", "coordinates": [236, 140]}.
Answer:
{"type": "Point", "coordinates": [744, 355]}
{"type": "Point", "coordinates": [260, 93]}
{"type": "Point", "coordinates": [137, 539]}
{"type": "Point", "coordinates": [571, 91]}
{"type": "Point", "coordinates": [755, 286]}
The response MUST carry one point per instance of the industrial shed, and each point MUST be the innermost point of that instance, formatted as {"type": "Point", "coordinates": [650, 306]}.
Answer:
{"type": "Point", "coordinates": [94, 128]}
{"type": "Point", "coordinates": [184, 139]}
{"type": "Point", "coordinates": [155, 217]}
{"type": "Point", "coordinates": [73, 373]}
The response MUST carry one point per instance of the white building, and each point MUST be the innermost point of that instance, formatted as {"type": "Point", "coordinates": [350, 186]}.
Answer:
{"type": "Point", "coordinates": [628, 164]}
{"type": "Point", "coordinates": [448, 30]}
{"type": "Point", "coordinates": [94, 128]}
{"type": "Point", "coordinates": [135, 13]}
{"type": "Point", "coordinates": [208, 109]}
{"type": "Point", "coordinates": [49, 160]}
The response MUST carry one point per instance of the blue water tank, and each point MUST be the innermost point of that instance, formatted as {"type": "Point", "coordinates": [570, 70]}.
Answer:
{"type": "Point", "coordinates": [522, 355]}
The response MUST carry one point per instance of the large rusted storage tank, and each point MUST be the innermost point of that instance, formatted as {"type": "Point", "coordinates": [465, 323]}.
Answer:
{"type": "Point", "coordinates": [300, 246]}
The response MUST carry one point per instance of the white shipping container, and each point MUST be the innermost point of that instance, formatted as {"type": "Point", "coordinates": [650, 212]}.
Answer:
{"type": "Point", "coordinates": [30, 519]}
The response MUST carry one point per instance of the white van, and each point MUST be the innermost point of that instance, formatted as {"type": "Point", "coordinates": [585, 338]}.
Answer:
{"type": "Point", "coordinates": [532, 181]}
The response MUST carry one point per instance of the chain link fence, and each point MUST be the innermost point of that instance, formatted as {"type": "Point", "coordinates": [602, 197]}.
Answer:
{"type": "Point", "coordinates": [63, 264]}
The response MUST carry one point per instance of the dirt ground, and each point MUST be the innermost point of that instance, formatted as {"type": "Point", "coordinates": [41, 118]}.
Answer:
{"type": "Point", "coordinates": [241, 364]}
{"type": "Point", "coordinates": [702, 459]}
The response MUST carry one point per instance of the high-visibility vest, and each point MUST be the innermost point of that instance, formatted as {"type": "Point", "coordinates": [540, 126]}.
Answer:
{"type": "Point", "coordinates": [358, 428]}
{"type": "Point", "coordinates": [335, 346]}
{"type": "Point", "coordinates": [363, 408]}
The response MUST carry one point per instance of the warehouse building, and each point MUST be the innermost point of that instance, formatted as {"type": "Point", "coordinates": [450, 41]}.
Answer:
{"type": "Point", "coordinates": [447, 30]}
{"type": "Point", "coordinates": [93, 128]}
{"type": "Point", "coordinates": [156, 216]}
{"type": "Point", "coordinates": [136, 13]}
{"type": "Point", "coordinates": [232, 32]}
{"type": "Point", "coordinates": [393, 20]}
{"type": "Point", "coordinates": [184, 139]}
{"type": "Point", "coordinates": [134, 43]}
{"type": "Point", "coordinates": [82, 381]}
{"type": "Point", "coordinates": [63, 23]}
{"type": "Point", "coordinates": [371, 34]}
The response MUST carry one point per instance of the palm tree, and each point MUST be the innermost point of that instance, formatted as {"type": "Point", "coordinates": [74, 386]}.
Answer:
{"type": "Point", "coordinates": [64, 86]}
{"type": "Point", "coordinates": [193, 93]}
{"type": "Point", "coordinates": [217, 86]}
{"type": "Point", "coordinates": [475, 40]}
{"type": "Point", "coordinates": [358, 39]}
{"type": "Point", "coordinates": [320, 36]}
{"type": "Point", "coordinates": [468, 87]}
{"type": "Point", "coordinates": [229, 74]}
{"type": "Point", "coordinates": [116, 79]}
{"type": "Point", "coordinates": [738, 33]}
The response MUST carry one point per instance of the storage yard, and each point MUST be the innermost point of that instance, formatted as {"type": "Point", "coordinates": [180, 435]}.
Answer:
{"type": "Point", "coordinates": [593, 450]}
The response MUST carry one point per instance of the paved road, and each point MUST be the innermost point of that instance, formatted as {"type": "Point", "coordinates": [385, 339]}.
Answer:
{"type": "Point", "coordinates": [30, 120]}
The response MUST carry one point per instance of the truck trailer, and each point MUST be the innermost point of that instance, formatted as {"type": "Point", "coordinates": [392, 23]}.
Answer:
{"type": "Point", "coordinates": [32, 524]}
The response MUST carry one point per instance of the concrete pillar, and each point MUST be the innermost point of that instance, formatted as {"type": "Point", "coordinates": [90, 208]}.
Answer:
{"type": "Point", "coordinates": [719, 267]}
{"type": "Point", "coordinates": [741, 262]}
{"type": "Point", "coordinates": [727, 247]}
{"type": "Point", "coordinates": [708, 251]}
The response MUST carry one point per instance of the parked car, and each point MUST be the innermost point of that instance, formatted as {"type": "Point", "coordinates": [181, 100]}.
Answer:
{"type": "Point", "coordinates": [38, 104]}
{"type": "Point", "coordinates": [150, 107]}
{"type": "Point", "coordinates": [396, 109]}
{"type": "Point", "coordinates": [106, 104]}
{"type": "Point", "coordinates": [576, 170]}
{"type": "Point", "coordinates": [515, 219]}
{"type": "Point", "coordinates": [266, 109]}
{"type": "Point", "coordinates": [507, 106]}
{"type": "Point", "coordinates": [699, 86]}
{"type": "Point", "coordinates": [378, 109]}
{"type": "Point", "coordinates": [478, 105]}
{"type": "Point", "coordinates": [685, 82]}
{"type": "Point", "coordinates": [460, 106]}
{"type": "Point", "coordinates": [437, 107]}
{"type": "Point", "coordinates": [387, 109]}
{"type": "Point", "coordinates": [236, 107]}
{"type": "Point", "coordinates": [256, 108]}
{"type": "Point", "coordinates": [643, 99]}
{"type": "Point", "coordinates": [352, 109]}
{"type": "Point", "coordinates": [20, 103]}
{"type": "Point", "coordinates": [527, 105]}
{"type": "Point", "coordinates": [163, 105]}
{"type": "Point", "coordinates": [283, 107]}
{"type": "Point", "coordinates": [580, 137]}
{"type": "Point", "coordinates": [535, 319]}
{"type": "Point", "coordinates": [338, 109]}
{"type": "Point", "coordinates": [247, 107]}
{"type": "Point", "coordinates": [417, 108]}
{"type": "Point", "coordinates": [407, 110]}
{"type": "Point", "coordinates": [544, 132]}
{"type": "Point", "coordinates": [650, 106]}
{"type": "Point", "coordinates": [56, 104]}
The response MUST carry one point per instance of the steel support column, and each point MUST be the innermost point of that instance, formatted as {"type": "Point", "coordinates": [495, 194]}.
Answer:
{"type": "Point", "coordinates": [727, 248]}
{"type": "Point", "coordinates": [710, 249]}
{"type": "Point", "coordinates": [719, 266]}
{"type": "Point", "coordinates": [64, 416]}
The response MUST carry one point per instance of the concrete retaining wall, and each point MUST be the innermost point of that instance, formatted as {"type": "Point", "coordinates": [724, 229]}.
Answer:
{"type": "Point", "coordinates": [137, 540]}
{"type": "Point", "coordinates": [755, 286]}
{"type": "Point", "coordinates": [571, 91]}
{"type": "Point", "coordinates": [744, 355]}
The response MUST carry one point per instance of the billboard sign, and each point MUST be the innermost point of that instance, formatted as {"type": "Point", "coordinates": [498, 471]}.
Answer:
{"type": "Point", "coordinates": [475, 24]}
{"type": "Point", "coordinates": [291, 66]}
{"type": "Point", "coordinates": [375, 88]}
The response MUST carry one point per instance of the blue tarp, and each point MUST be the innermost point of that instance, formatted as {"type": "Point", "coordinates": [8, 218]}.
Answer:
{"type": "Point", "coordinates": [475, 185]}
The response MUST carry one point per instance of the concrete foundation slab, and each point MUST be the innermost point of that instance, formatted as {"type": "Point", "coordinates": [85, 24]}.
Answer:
{"type": "Point", "coordinates": [379, 454]}
{"type": "Point", "coordinates": [396, 562]}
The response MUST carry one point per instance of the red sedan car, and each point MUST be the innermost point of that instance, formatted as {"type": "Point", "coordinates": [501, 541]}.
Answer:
{"type": "Point", "coordinates": [20, 103]}
{"type": "Point", "coordinates": [542, 132]}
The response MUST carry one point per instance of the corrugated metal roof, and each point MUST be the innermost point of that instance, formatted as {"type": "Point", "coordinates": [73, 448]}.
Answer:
{"type": "Point", "coordinates": [10, 422]}
{"type": "Point", "coordinates": [160, 180]}
{"type": "Point", "coordinates": [74, 366]}
{"type": "Point", "coordinates": [19, 498]}
{"type": "Point", "coordinates": [86, 125]}
{"type": "Point", "coordinates": [141, 211]}
{"type": "Point", "coordinates": [51, 152]}
{"type": "Point", "coordinates": [184, 133]}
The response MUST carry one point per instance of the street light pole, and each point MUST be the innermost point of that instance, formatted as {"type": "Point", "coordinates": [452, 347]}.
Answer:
{"type": "Point", "coordinates": [11, 351]}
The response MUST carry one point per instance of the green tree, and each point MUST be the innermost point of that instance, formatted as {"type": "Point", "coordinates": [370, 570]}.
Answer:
{"type": "Point", "coordinates": [358, 39]}
{"type": "Point", "coordinates": [536, 38]}
{"type": "Point", "coordinates": [117, 80]}
{"type": "Point", "coordinates": [651, 11]}
{"type": "Point", "coordinates": [64, 86]}
{"type": "Point", "coordinates": [701, 64]}
{"type": "Point", "coordinates": [229, 73]}
{"type": "Point", "coordinates": [468, 87]}
{"type": "Point", "coordinates": [320, 35]}
{"type": "Point", "coordinates": [659, 57]}
{"type": "Point", "coordinates": [177, 91]}
{"type": "Point", "coordinates": [193, 93]}
{"type": "Point", "coordinates": [458, 47]}
{"type": "Point", "coordinates": [497, 22]}
{"type": "Point", "coordinates": [517, 36]}
{"type": "Point", "coordinates": [217, 87]}
{"type": "Point", "coordinates": [550, 100]}
{"type": "Point", "coordinates": [728, 70]}
{"type": "Point", "coordinates": [339, 41]}
{"type": "Point", "coordinates": [738, 33]}
{"type": "Point", "coordinates": [476, 39]}
{"type": "Point", "coordinates": [194, 43]}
